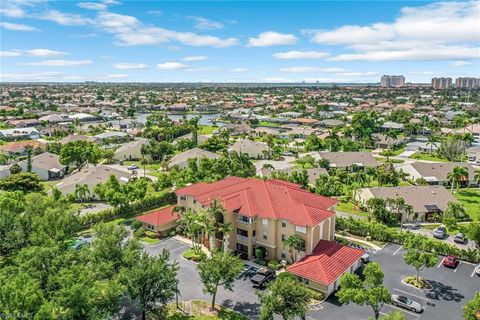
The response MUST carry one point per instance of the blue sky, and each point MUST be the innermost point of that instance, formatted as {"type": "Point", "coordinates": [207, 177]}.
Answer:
{"type": "Point", "coordinates": [250, 41]}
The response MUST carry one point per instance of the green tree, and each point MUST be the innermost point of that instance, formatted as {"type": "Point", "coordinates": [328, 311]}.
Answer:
{"type": "Point", "coordinates": [369, 291]}
{"type": "Point", "coordinates": [473, 231]}
{"type": "Point", "coordinates": [471, 311]}
{"type": "Point", "coordinates": [25, 182]}
{"type": "Point", "coordinates": [287, 297]}
{"type": "Point", "coordinates": [221, 269]}
{"type": "Point", "coordinates": [152, 281]}
{"type": "Point", "coordinates": [82, 192]}
{"type": "Point", "coordinates": [417, 255]}
{"type": "Point", "coordinates": [456, 176]}
{"type": "Point", "coordinates": [29, 152]}
{"type": "Point", "coordinates": [79, 153]}
{"type": "Point", "coordinates": [294, 243]}
{"type": "Point", "coordinates": [15, 168]}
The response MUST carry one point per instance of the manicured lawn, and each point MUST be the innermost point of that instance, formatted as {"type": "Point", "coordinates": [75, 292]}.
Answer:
{"type": "Point", "coordinates": [427, 156]}
{"type": "Point", "coordinates": [268, 124]}
{"type": "Point", "coordinates": [389, 160]}
{"type": "Point", "coordinates": [47, 185]}
{"type": "Point", "coordinates": [149, 240]}
{"type": "Point", "coordinates": [470, 198]}
{"type": "Point", "coordinates": [349, 207]}
{"type": "Point", "coordinates": [208, 129]}
{"type": "Point", "coordinates": [200, 311]}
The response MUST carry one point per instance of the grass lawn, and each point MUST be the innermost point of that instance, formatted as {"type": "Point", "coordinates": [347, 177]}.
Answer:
{"type": "Point", "coordinates": [47, 185]}
{"type": "Point", "coordinates": [149, 240]}
{"type": "Point", "coordinates": [268, 124]}
{"type": "Point", "coordinates": [349, 207]}
{"type": "Point", "coordinates": [297, 165]}
{"type": "Point", "coordinates": [201, 311]}
{"type": "Point", "coordinates": [208, 129]}
{"type": "Point", "coordinates": [427, 156]}
{"type": "Point", "coordinates": [470, 198]}
{"type": "Point", "coordinates": [389, 160]}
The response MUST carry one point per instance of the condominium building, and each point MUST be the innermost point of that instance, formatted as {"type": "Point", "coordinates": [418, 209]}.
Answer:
{"type": "Point", "coordinates": [441, 83]}
{"type": "Point", "coordinates": [392, 81]}
{"type": "Point", "coordinates": [467, 82]}
{"type": "Point", "coordinates": [265, 213]}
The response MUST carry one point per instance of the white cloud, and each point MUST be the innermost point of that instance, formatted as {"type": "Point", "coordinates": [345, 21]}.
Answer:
{"type": "Point", "coordinates": [45, 53]}
{"type": "Point", "coordinates": [114, 76]}
{"type": "Point", "coordinates": [291, 55]}
{"type": "Point", "coordinates": [272, 38]}
{"type": "Point", "coordinates": [202, 23]}
{"type": "Point", "coordinates": [9, 54]}
{"type": "Point", "coordinates": [436, 31]}
{"type": "Point", "coordinates": [461, 63]}
{"type": "Point", "coordinates": [59, 63]}
{"type": "Point", "coordinates": [238, 70]}
{"type": "Point", "coordinates": [129, 31]}
{"type": "Point", "coordinates": [92, 5]}
{"type": "Point", "coordinates": [29, 76]}
{"type": "Point", "coordinates": [17, 8]}
{"type": "Point", "coordinates": [17, 26]}
{"type": "Point", "coordinates": [171, 66]}
{"type": "Point", "coordinates": [195, 58]}
{"type": "Point", "coordinates": [127, 66]}
{"type": "Point", "coordinates": [65, 19]}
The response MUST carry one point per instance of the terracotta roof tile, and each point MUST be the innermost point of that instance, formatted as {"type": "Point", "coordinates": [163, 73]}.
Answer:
{"type": "Point", "coordinates": [159, 217]}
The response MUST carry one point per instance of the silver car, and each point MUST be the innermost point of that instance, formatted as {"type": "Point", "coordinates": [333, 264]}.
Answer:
{"type": "Point", "coordinates": [440, 232]}
{"type": "Point", "coordinates": [404, 302]}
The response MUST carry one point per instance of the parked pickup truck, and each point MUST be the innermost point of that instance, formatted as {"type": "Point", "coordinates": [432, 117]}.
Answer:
{"type": "Point", "coordinates": [263, 277]}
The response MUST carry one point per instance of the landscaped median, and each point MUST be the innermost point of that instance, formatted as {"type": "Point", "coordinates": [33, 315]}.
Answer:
{"type": "Point", "coordinates": [200, 310]}
{"type": "Point", "coordinates": [419, 283]}
{"type": "Point", "coordinates": [378, 231]}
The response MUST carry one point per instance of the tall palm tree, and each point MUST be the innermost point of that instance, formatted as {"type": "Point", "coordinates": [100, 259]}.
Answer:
{"type": "Point", "coordinates": [456, 176]}
{"type": "Point", "coordinates": [391, 135]}
{"type": "Point", "coordinates": [225, 228]}
{"type": "Point", "coordinates": [29, 152]}
{"type": "Point", "coordinates": [293, 243]}
{"type": "Point", "coordinates": [144, 161]}
{"type": "Point", "coordinates": [82, 192]}
{"type": "Point", "coordinates": [432, 141]}
{"type": "Point", "coordinates": [476, 177]}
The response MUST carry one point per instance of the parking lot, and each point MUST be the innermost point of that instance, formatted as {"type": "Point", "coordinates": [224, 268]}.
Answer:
{"type": "Point", "coordinates": [452, 288]}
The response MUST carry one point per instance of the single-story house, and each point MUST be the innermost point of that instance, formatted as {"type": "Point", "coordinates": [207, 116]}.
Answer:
{"type": "Point", "coordinates": [348, 160]}
{"type": "Point", "coordinates": [47, 166]}
{"type": "Point", "coordinates": [422, 146]}
{"type": "Point", "coordinates": [77, 137]}
{"type": "Point", "coordinates": [321, 270]}
{"type": "Point", "coordinates": [313, 173]}
{"type": "Point", "coordinates": [20, 133]}
{"type": "Point", "coordinates": [200, 138]}
{"type": "Point", "coordinates": [474, 154]}
{"type": "Point", "coordinates": [130, 151]}
{"type": "Point", "coordinates": [436, 173]}
{"type": "Point", "coordinates": [160, 221]}
{"type": "Point", "coordinates": [112, 135]}
{"type": "Point", "coordinates": [18, 147]}
{"type": "Point", "coordinates": [425, 200]}
{"type": "Point", "coordinates": [91, 176]}
{"type": "Point", "coordinates": [330, 123]}
{"type": "Point", "coordinates": [381, 141]}
{"type": "Point", "coordinates": [255, 150]}
{"type": "Point", "coordinates": [181, 160]}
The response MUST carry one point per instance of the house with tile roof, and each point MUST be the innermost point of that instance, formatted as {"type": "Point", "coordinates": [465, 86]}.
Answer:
{"type": "Point", "coordinates": [264, 213]}
{"type": "Point", "coordinates": [160, 221]}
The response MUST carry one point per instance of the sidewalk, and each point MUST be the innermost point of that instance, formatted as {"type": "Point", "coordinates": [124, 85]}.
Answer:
{"type": "Point", "coordinates": [189, 242]}
{"type": "Point", "coordinates": [365, 242]}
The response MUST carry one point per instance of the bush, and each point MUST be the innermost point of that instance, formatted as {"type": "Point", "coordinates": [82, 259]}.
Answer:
{"type": "Point", "coordinates": [151, 234]}
{"type": "Point", "coordinates": [421, 283]}
{"type": "Point", "coordinates": [274, 264]}
{"type": "Point", "coordinates": [140, 232]}
{"type": "Point", "coordinates": [172, 233]}
{"type": "Point", "coordinates": [194, 256]}
{"type": "Point", "coordinates": [135, 224]}
{"type": "Point", "coordinates": [260, 253]}
{"type": "Point", "coordinates": [380, 232]}
{"type": "Point", "coordinates": [314, 294]}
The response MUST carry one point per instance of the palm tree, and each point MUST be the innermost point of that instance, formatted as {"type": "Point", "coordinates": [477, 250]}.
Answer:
{"type": "Point", "coordinates": [144, 161]}
{"type": "Point", "coordinates": [454, 210]}
{"type": "Point", "coordinates": [225, 229]}
{"type": "Point", "coordinates": [432, 139]}
{"type": "Point", "coordinates": [29, 152]}
{"type": "Point", "coordinates": [476, 177]}
{"type": "Point", "coordinates": [82, 192]}
{"type": "Point", "coordinates": [456, 176]}
{"type": "Point", "coordinates": [294, 243]}
{"type": "Point", "coordinates": [391, 135]}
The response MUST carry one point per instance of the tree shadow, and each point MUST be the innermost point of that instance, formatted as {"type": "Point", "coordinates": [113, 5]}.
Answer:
{"type": "Point", "coordinates": [248, 309]}
{"type": "Point", "coordinates": [440, 291]}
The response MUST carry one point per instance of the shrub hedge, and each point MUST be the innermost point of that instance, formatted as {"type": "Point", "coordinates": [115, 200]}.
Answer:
{"type": "Point", "coordinates": [380, 232]}
{"type": "Point", "coordinates": [149, 202]}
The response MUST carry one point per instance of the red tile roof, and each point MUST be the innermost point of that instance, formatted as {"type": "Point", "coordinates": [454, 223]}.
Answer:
{"type": "Point", "coordinates": [159, 217]}
{"type": "Point", "coordinates": [269, 199]}
{"type": "Point", "coordinates": [327, 262]}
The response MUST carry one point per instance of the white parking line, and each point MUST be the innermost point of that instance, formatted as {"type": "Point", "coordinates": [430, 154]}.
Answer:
{"type": "Point", "coordinates": [473, 272]}
{"type": "Point", "coordinates": [423, 298]}
{"type": "Point", "coordinates": [403, 310]}
{"type": "Point", "coordinates": [397, 250]}
{"type": "Point", "coordinates": [440, 263]}
{"type": "Point", "coordinates": [458, 265]}
{"type": "Point", "coordinates": [386, 244]}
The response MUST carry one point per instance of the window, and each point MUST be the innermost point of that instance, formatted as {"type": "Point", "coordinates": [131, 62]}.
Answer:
{"type": "Point", "coordinates": [241, 232]}
{"type": "Point", "coordinates": [284, 237]}
{"type": "Point", "coordinates": [265, 222]}
{"type": "Point", "coordinates": [183, 198]}
{"type": "Point", "coordinates": [254, 233]}
{"type": "Point", "coordinates": [265, 235]}
{"type": "Point", "coordinates": [244, 219]}
{"type": "Point", "coordinates": [301, 229]}
{"type": "Point", "coordinates": [283, 255]}
{"type": "Point", "coordinates": [194, 201]}
{"type": "Point", "coordinates": [284, 224]}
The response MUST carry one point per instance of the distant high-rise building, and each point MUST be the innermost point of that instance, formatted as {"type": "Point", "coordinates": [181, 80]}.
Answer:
{"type": "Point", "coordinates": [441, 83]}
{"type": "Point", "coordinates": [392, 81]}
{"type": "Point", "coordinates": [467, 82]}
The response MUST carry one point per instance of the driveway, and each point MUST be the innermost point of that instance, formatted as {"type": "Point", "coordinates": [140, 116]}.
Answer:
{"type": "Point", "coordinates": [282, 164]}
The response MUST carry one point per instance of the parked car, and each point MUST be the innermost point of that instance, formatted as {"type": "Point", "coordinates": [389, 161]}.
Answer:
{"type": "Point", "coordinates": [132, 167]}
{"type": "Point", "coordinates": [460, 238]}
{"type": "Point", "coordinates": [450, 261]}
{"type": "Point", "coordinates": [406, 303]}
{"type": "Point", "coordinates": [263, 277]}
{"type": "Point", "coordinates": [365, 258]}
{"type": "Point", "coordinates": [477, 270]}
{"type": "Point", "coordinates": [440, 232]}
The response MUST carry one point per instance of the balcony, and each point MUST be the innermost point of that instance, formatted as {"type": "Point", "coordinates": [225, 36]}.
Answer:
{"type": "Point", "coordinates": [241, 239]}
